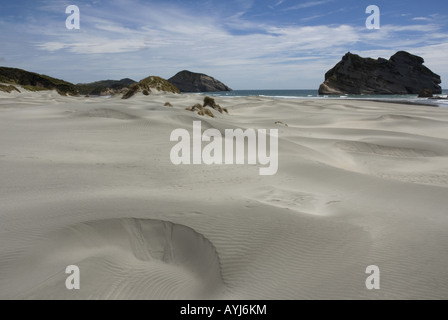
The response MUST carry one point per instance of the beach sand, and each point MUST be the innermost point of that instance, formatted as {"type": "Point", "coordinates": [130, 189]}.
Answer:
{"type": "Point", "coordinates": [89, 182]}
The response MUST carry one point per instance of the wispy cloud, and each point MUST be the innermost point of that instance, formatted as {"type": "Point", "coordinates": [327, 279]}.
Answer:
{"type": "Point", "coordinates": [133, 38]}
{"type": "Point", "coordinates": [306, 19]}
{"type": "Point", "coordinates": [421, 19]}
{"type": "Point", "coordinates": [279, 3]}
{"type": "Point", "coordinates": [308, 4]}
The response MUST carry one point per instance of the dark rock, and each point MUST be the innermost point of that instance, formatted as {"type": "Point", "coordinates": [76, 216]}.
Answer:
{"type": "Point", "coordinates": [188, 81]}
{"type": "Point", "coordinates": [438, 98]}
{"type": "Point", "coordinates": [425, 93]}
{"type": "Point", "coordinates": [403, 73]}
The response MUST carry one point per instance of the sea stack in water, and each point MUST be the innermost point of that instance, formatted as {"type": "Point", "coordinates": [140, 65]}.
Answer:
{"type": "Point", "coordinates": [403, 73]}
{"type": "Point", "coordinates": [188, 81]}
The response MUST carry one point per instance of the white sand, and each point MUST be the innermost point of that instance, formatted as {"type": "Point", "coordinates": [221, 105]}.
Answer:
{"type": "Point", "coordinates": [89, 182]}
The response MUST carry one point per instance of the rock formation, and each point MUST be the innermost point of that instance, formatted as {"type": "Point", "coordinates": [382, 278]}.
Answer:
{"type": "Point", "coordinates": [188, 81]}
{"type": "Point", "coordinates": [403, 73]}
{"type": "Point", "coordinates": [425, 93]}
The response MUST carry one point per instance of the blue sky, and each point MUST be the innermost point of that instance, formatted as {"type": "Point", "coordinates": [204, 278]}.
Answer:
{"type": "Point", "coordinates": [247, 44]}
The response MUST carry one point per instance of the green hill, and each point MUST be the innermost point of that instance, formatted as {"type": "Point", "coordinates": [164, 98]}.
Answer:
{"type": "Point", "coordinates": [35, 82]}
{"type": "Point", "coordinates": [105, 87]}
{"type": "Point", "coordinates": [148, 84]}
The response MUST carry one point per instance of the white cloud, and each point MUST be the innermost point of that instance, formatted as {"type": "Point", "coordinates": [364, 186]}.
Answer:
{"type": "Point", "coordinates": [279, 3]}
{"type": "Point", "coordinates": [416, 27]}
{"type": "Point", "coordinates": [131, 39]}
{"type": "Point", "coordinates": [178, 33]}
{"type": "Point", "coordinates": [52, 46]}
{"type": "Point", "coordinates": [421, 19]}
{"type": "Point", "coordinates": [435, 57]}
{"type": "Point", "coordinates": [309, 4]}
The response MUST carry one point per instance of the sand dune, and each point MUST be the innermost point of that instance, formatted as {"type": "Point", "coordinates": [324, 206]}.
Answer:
{"type": "Point", "coordinates": [89, 182]}
{"type": "Point", "coordinates": [138, 258]}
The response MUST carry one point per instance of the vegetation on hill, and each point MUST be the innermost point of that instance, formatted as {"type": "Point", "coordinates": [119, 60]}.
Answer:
{"type": "Point", "coordinates": [33, 81]}
{"type": "Point", "coordinates": [104, 87]}
{"type": "Point", "coordinates": [148, 84]}
{"type": "Point", "coordinates": [8, 88]}
{"type": "Point", "coordinates": [36, 82]}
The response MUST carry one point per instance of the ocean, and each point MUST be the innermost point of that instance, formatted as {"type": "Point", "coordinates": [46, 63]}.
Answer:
{"type": "Point", "coordinates": [313, 94]}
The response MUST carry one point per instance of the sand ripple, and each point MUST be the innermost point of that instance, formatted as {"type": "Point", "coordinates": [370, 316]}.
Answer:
{"type": "Point", "coordinates": [131, 258]}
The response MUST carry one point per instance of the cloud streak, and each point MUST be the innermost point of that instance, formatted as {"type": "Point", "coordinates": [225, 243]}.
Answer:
{"type": "Point", "coordinates": [308, 4]}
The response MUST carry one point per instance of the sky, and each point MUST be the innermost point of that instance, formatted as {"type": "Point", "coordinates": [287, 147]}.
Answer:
{"type": "Point", "coordinates": [247, 44]}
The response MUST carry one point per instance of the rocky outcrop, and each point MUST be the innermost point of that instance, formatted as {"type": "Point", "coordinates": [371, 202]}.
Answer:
{"type": "Point", "coordinates": [105, 87]}
{"type": "Point", "coordinates": [150, 85]}
{"type": "Point", "coordinates": [425, 93]}
{"type": "Point", "coordinates": [35, 82]}
{"type": "Point", "coordinates": [188, 81]}
{"type": "Point", "coordinates": [403, 73]}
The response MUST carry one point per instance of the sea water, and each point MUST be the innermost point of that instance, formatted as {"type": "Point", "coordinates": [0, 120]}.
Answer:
{"type": "Point", "coordinates": [313, 94]}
